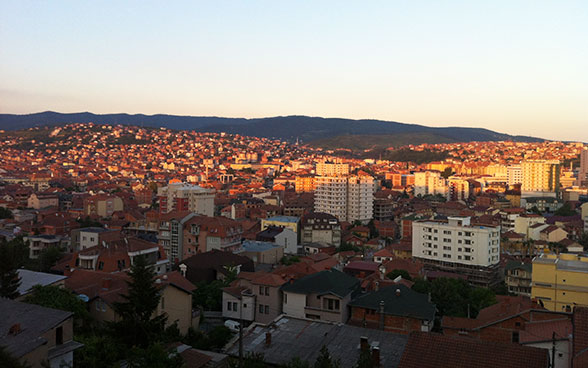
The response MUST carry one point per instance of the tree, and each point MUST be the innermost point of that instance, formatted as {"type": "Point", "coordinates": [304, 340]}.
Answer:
{"type": "Point", "coordinates": [447, 172]}
{"type": "Point", "coordinates": [289, 260]}
{"type": "Point", "coordinates": [9, 279]}
{"type": "Point", "coordinates": [8, 361]}
{"type": "Point", "coordinates": [137, 325]}
{"type": "Point", "coordinates": [48, 258]}
{"type": "Point", "coordinates": [98, 351]}
{"type": "Point", "coordinates": [153, 356]}
{"type": "Point", "coordinates": [396, 272]}
{"type": "Point", "coordinates": [296, 362]}
{"type": "Point", "coordinates": [5, 213]}
{"type": "Point", "coordinates": [58, 298]}
{"type": "Point", "coordinates": [324, 360]}
{"type": "Point", "coordinates": [565, 210]}
{"type": "Point", "coordinates": [365, 359]}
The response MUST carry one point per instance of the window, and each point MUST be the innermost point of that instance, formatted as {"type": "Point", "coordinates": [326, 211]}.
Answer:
{"type": "Point", "coordinates": [331, 304]}
{"type": "Point", "coordinates": [229, 305]}
{"type": "Point", "coordinates": [235, 306]}
{"type": "Point", "coordinates": [100, 265]}
{"type": "Point", "coordinates": [515, 336]}
{"type": "Point", "coordinates": [261, 308]}
{"type": "Point", "coordinates": [267, 309]}
{"type": "Point", "coordinates": [59, 335]}
{"type": "Point", "coordinates": [285, 298]}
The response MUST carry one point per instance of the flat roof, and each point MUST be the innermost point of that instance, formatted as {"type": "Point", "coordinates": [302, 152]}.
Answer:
{"type": "Point", "coordinates": [284, 219]}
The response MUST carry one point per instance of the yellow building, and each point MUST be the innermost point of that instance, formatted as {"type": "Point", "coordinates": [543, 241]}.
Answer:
{"type": "Point", "coordinates": [560, 282]}
{"type": "Point", "coordinates": [304, 184]}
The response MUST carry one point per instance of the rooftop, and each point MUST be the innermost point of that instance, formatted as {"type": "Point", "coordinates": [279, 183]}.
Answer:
{"type": "Point", "coordinates": [290, 219]}
{"type": "Point", "coordinates": [28, 279]}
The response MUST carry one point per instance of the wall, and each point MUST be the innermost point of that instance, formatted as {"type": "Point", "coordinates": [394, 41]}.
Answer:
{"type": "Point", "coordinates": [177, 304]}
{"type": "Point", "coordinates": [294, 304]}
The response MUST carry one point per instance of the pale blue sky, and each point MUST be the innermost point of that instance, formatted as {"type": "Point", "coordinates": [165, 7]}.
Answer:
{"type": "Point", "coordinates": [519, 67]}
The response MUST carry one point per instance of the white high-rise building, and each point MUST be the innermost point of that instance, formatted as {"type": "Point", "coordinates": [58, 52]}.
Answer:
{"type": "Point", "coordinates": [332, 169]}
{"type": "Point", "coordinates": [349, 198]}
{"type": "Point", "coordinates": [514, 175]}
{"type": "Point", "coordinates": [429, 182]}
{"type": "Point", "coordinates": [540, 177]}
{"type": "Point", "coordinates": [460, 247]}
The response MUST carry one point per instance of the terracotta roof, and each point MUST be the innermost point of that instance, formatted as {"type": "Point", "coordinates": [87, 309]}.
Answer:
{"type": "Point", "coordinates": [580, 345]}
{"type": "Point", "coordinates": [543, 330]}
{"type": "Point", "coordinates": [428, 350]}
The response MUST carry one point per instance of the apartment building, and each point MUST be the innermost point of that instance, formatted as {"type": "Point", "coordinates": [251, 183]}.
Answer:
{"type": "Point", "coordinates": [42, 200]}
{"type": "Point", "coordinates": [458, 246]}
{"type": "Point", "coordinates": [583, 169]}
{"type": "Point", "coordinates": [102, 205]}
{"type": "Point", "coordinates": [178, 196]}
{"type": "Point", "coordinates": [458, 189]}
{"type": "Point", "coordinates": [318, 227]}
{"type": "Point", "coordinates": [559, 282]}
{"type": "Point", "coordinates": [304, 184]}
{"type": "Point", "coordinates": [332, 169]}
{"type": "Point", "coordinates": [514, 175]}
{"type": "Point", "coordinates": [347, 198]}
{"type": "Point", "coordinates": [518, 277]}
{"type": "Point", "coordinates": [429, 182]}
{"type": "Point", "coordinates": [540, 178]}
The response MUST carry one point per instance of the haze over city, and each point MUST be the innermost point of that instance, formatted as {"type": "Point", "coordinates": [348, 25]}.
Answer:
{"type": "Point", "coordinates": [513, 67]}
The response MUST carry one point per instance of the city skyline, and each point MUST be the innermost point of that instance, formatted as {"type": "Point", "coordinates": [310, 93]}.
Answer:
{"type": "Point", "coordinates": [517, 68]}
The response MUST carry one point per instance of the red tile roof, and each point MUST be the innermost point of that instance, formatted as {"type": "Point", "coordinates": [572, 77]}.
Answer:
{"type": "Point", "coordinates": [428, 350]}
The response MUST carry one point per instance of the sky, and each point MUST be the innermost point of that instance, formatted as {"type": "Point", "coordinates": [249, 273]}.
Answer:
{"type": "Point", "coordinates": [517, 67]}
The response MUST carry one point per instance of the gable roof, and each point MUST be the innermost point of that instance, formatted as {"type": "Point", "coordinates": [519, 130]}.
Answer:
{"type": "Point", "coordinates": [405, 303]}
{"type": "Point", "coordinates": [330, 281]}
{"type": "Point", "coordinates": [429, 350]}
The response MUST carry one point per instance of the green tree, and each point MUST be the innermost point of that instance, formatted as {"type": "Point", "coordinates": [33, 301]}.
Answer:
{"type": "Point", "coordinates": [5, 213]}
{"type": "Point", "coordinates": [9, 279]}
{"type": "Point", "coordinates": [137, 325]}
{"type": "Point", "coordinates": [365, 359]}
{"type": "Point", "coordinates": [396, 272]}
{"type": "Point", "coordinates": [8, 361]}
{"type": "Point", "coordinates": [447, 172]}
{"type": "Point", "coordinates": [565, 210]}
{"type": "Point", "coordinates": [48, 258]}
{"type": "Point", "coordinates": [98, 351]}
{"type": "Point", "coordinates": [421, 286]}
{"type": "Point", "coordinates": [289, 260]}
{"type": "Point", "coordinates": [296, 362]}
{"type": "Point", "coordinates": [153, 356]}
{"type": "Point", "coordinates": [480, 298]}
{"type": "Point", "coordinates": [324, 360]}
{"type": "Point", "coordinates": [58, 298]}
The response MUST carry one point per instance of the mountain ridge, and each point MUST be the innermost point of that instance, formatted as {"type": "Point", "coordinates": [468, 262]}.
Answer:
{"type": "Point", "coordinates": [289, 128]}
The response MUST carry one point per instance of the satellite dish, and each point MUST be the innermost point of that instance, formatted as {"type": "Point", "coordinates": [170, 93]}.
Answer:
{"type": "Point", "coordinates": [84, 298]}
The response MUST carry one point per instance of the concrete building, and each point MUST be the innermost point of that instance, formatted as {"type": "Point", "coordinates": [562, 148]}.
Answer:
{"type": "Point", "coordinates": [178, 196]}
{"type": "Point", "coordinates": [559, 282]}
{"type": "Point", "coordinates": [281, 236]}
{"type": "Point", "coordinates": [102, 205]}
{"type": "Point", "coordinates": [429, 182]}
{"type": "Point", "coordinates": [37, 335]}
{"type": "Point", "coordinates": [322, 296]}
{"type": "Point", "coordinates": [288, 222]}
{"type": "Point", "coordinates": [457, 246]}
{"type": "Point", "coordinates": [583, 169]}
{"type": "Point", "coordinates": [540, 178]}
{"type": "Point", "coordinates": [347, 198]}
{"type": "Point", "coordinates": [514, 175]}
{"type": "Point", "coordinates": [261, 252]}
{"type": "Point", "coordinates": [518, 277]}
{"type": "Point", "coordinates": [458, 189]}
{"type": "Point", "coordinates": [42, 200]}
{"type": "Point", "coordinates": [332, 169]}
{"type": "Point", "coordinates": [88, 237]}
{"type": "Point", "coordinates": [38, 243]}
{"type": "Point", "coordinates": [304, 184]}
{"type": "Point", "coordinates": [320, 227]}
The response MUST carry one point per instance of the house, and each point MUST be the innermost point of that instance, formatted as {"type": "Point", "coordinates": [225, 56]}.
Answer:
{"type": "Point", "coordinates": [38, 243]}
{"type": "Point", "coordinates": [115, 256]}
{"type": "Point", "coordinates": [35, 334]}
{"type": "Point", "coordinates": [290, 337]}
{"type": "Point", "coordinates": [518, 277]}
{"type": "Point", "coordinates": [361, 269]}
{"type": "Point", "coordinates": [268, 296]}
{"type": "Point", "coordinates": [42, 200]}
{"type": "Point", "coordinates": [315, 248]}
{"type": "Point", "coordinates": [214, 265]}
{"type": "Point", "coordinates": [238, 304]}
{"type": "Point", "coordinates": [319, 227]}
{"type": "Point", "coordinates": [394, 308]}
{"type": "Point", "coordinates": [261, 252]}
{"type": "Point", "coordinates": [102, 205]}
{"type": "Point", "coordinates": [429, 350]}
{"type": "Point", "coordinates": [553, 234]}
{"type": "Point", "coordinates": [503, 321]}
{"type": "Point", "coordinates": [288, 222]}
{"type": "Point", "coordinates": [323, 295]}
{"type": "Point", "coordinates": [281, 236]}
{"type": "Point", "coordinates": [103, 290]}
{"type": "Point", "coordinates": [383, 255]}
{"type": "Point", "coordinates": [28, 279]}
{"type": "Point", "coordinates": [91, 236]}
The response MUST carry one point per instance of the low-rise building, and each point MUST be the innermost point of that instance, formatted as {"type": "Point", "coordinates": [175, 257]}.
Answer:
{"type": "Point", "coordinates": [320, 227]}
{"type": "Point", "coordinates": [281, 236]}
{"type": "Point", "coordinates": [38, 243]}
{"type": "Point", "coordinates": [42, 200]}
{"type": "Point", "coordinates": [394, 308]}
{"type": "Point", "coordinates": [518, 277]}
{"type": "Point", "coordinates": [261, 252]}
{"type": "Point", "coordinates": [37, 335]}
{"type": "Point", "coordinates": [323, 295]}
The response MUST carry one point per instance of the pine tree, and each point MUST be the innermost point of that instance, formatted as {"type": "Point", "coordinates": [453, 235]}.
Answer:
{"type": "Point", "coordinates": [9, 280]}
{"type": "Point", "coordinates": [137, 325]}
{"type": "Point", "coordinates": [324, 360]}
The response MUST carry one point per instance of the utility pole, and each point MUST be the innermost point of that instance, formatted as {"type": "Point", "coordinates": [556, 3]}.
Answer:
{"type": "Point", "coordinates": [553, 350]}
{"type": "Point", "coordinates": [241, 330]}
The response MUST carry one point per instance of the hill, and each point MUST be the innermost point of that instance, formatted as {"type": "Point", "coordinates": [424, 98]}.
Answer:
{"type": "Point", "coordinates": [324, 132]}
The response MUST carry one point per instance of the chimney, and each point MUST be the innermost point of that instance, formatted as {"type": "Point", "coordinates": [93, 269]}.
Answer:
{"type": "Point", "coordinates": [67, 271]}
{"type": "Point", "coordinates": [14, 329]}
{"type": "Point", "coordinates": [375, 357]}
{"type": "Point", "coordinates": [106, 283]}
{"type": "Point", "coordinates": [183, 269]}
{"type": "Point", "coordinates": [397, 292]}
{"type": "Point", "coordinates": [363, 343]}
{"type": "Point", "coordinates": [382, 316]}
{"type": "Point", "coordinates": [268, 338]}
